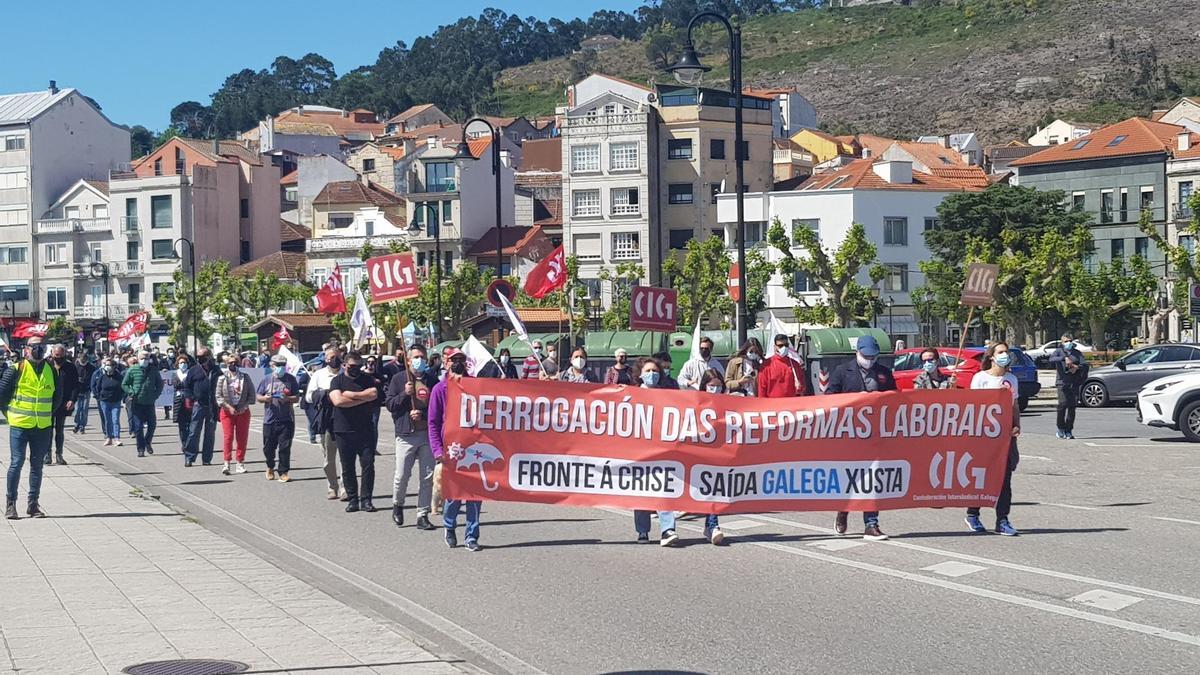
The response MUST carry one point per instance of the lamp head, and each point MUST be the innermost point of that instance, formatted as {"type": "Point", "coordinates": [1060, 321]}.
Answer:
{"type": "Point", "coordinates": [464, 152]}
{"type": "Point", "coordinates": [688, 69]}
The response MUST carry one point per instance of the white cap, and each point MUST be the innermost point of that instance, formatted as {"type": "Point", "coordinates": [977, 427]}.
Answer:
{"type": "Point", "coordinates": [620, 352]}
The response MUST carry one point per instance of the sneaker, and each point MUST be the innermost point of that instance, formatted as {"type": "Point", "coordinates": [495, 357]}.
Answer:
{"type": "Point", "coordinates": [839, 525]}
{"type": "Point", "coordinates": [1070, 436]}
{"type": "Point", "coordinates": [668, 538]}
{"type": "Point", "coordinates": [36, 511]}
{"type": "Point", "coordinates": [424, 524]}
{"type": "Point", "coordinates": [108, 441]}
{"type": "Point", "coordinates": [1060, 434]}
{"type": "Point", "coordinates": [141, 453]}
{"type": "Point", "coordinates": [472, 545]}
{"type": "Point", "coordinates": [975, 523]}
{"type": "Point", "coordinates": [283, 478]}
{"type": "Point", "coordinates": [312, 439]}
{"type": "Point", "coordinates": [351, 506]}
{"type": "Point", "coordinates": [241, 468]}
{"type": "Point", "coordinates": [270, 474]}
{"type": "Point", "coordinates": [451, 539]}
{"type": "Point", "coordinates": [189, 463]}
{"type": "Point", "coordinates": [118, 442]}
{"type": "Point", "coordinates": [343, 496]}
{"type": "Point", "coordinates": [368, 506]}
{"type": "Point", "coordinates": [873, 533]}
{"type": "Point", "coordinates": [643, 538]}
{"type": "Point", "coordinates": [59, 459]}
{"type": "Point", "coordinates": [225, 469]}
{"type": "Point", "coordinates": [715, 536]}
{"type": "Point", "coordinates": [149, 449]}
{"type": "Point", "coordinates": [331, 494]}
{"type": "Point", "coordinates": [1005, 528]}
{"type": "Point", "coordinates": [10, 511]}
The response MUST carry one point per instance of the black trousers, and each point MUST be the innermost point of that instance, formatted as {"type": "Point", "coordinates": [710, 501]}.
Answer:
{"type": "Point", "coordinates": [1004, 500]}
{"type": "Point", "coordinates": [357, 445]}
{"type": "Point", "coordinates": [278, 435]}
{"type": "Point", "coordinates": [60, 421]}
{"type": "Point", "coordinates": [1068, 400]}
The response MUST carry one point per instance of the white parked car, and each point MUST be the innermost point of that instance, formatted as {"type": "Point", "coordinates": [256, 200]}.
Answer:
{"type": "Point", "coordinates": [1041, 355]}
{"type": "Point", "coordinates": [1172, 402]}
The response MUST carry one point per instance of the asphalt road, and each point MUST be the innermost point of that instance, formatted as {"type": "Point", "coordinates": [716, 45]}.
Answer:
{"type": "Point", "coordinates": [1103, 578]}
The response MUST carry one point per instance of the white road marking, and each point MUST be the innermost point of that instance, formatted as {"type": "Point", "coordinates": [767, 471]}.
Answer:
{"type": "Point", "coordinates": [1071, 506]}
{"type": "Point", "coordinates": [1123, 445]}
{"type": "Point", "coordinates": [1044, 459]}
{"type": "Point", "coordinates": [739, 524]}
{"type": "Point", "coordinates": [426, 616]}
{"type": "Point", "coordinates": [1144, 629]}
{"type": "Point", "coordinates": [1091, 581]}
{"type": "Point", "coordinates": [1106, 600]}
{"type": "Point", "coordinates": [1177, 520]}
{"type": "Point", "coordinates": [837, 544]}
{"type": "Point", "coordinates": [952, 568]}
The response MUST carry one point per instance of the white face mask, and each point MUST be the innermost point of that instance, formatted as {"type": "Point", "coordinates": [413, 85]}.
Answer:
{"type": "Point", "coordinates": [503, 360]}
{"type": "Point", "coordinates": [578, 363]}
{"type": "Point", "coordinates": [865, 362]}
{"type": "Point", "coordinates": [713, 389]}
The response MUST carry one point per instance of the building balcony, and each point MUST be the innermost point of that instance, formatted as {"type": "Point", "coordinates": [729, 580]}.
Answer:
{"type": "Point", "coordinates": [129, 225]}
{"type": "Point", "coordinates": [335, 244]}
{"type": "Point", "coordinates": [606, 120]}
{"type": "Point", "coordinates": [1183, 212]}
{"type": "Point", "coordinates": [72, 225]}
{"type": "Point", "coordinates": [116, 313]}
{"type": "Point", "coordinates": [116, 268]}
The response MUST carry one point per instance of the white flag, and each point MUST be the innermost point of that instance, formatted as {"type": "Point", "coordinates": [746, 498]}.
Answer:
{"type": "Point", "coordinates": [478, 356]}
{"type": "Point", "coordinates": [361, 321]}
{"type": "Point", "coordinates": [513, 319]}
{"type": "Point", "coordinates": [695, 355]}
{"type": "Point", "coordinates": [294, 365]}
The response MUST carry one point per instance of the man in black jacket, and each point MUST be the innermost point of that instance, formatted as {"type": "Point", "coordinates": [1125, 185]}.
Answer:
{"type": "Point", "coordinates": [68, 389]}
{"type": "Point", "coordinates": [408, 401]}
{"type": "Point", "coordinates": [863, 373]}
{"type": "Point", "coordinates": [85, 368]}
{"type": "Point", "coordinates": [1071, 371]}
{"type": "Point", "coordinates": [200, 396]}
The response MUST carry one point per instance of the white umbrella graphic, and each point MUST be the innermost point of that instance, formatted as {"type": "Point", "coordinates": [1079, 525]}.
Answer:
{"type": "Point", "coordinates": [479, 455]}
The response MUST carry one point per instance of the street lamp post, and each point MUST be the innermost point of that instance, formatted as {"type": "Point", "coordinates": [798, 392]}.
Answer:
{"type": "Point", "coordinates": [433, 228]}
{"type": "Point", "coordinates": [874, 307]}
{"type": "Point", "coordinates": [464, 153]}
{"type": "Point", "coordinates": [191, 256]}
{"type": "Point", "coordinates": [99, 270]}
{"type": "Point", "coordinates": [890, 303]}
{"type": "Point", "coordinates": [11, 306]}
{"type": "Point", "coordinates": [689, 70]}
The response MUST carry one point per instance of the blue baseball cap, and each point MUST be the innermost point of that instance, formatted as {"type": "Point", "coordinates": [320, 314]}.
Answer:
{"type": "Point", "coordinates": [867, 346]}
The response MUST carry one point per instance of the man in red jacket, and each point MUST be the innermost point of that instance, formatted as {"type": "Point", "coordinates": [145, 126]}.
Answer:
{"type": "Point", "coordinates": [782, 376]}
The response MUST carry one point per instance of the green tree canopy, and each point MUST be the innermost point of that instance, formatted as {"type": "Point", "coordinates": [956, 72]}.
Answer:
{"type": "Point", "coordinates": [844, 302]}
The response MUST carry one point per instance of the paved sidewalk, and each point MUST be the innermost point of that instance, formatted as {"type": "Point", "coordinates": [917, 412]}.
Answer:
{"type": "Point", "coordinates": [112, 579]}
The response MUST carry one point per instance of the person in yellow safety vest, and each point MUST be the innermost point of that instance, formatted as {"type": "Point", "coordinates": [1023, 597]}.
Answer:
{"type": "Point", "coordinates": [28, 396]}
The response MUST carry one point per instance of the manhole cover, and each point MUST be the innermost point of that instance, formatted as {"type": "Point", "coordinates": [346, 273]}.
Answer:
{"type": "Point", "coordinates": [187, 667]}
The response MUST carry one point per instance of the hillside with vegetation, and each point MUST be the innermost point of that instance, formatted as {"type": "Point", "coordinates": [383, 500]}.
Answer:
{"type": "Point", "coordinates": [997, 67]}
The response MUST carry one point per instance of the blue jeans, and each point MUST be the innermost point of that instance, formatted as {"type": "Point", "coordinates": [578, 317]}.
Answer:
{"type": "Point", "coordinates": [202, 423]}
{"type": "Point", "coordinates": [641, 521]}
{"type": "Point", "coordinates": [82, 402]}
{"type": "Point", "coordinates": [38, 442]}
{"type": "Point", "coordinates": [142, 415]}
{"type": "Point", "coordinates": [311, 413]}
{"type": "Point", "coordinates": [112, 418]}
{"type": "Point", "coordinates": [450, 516]}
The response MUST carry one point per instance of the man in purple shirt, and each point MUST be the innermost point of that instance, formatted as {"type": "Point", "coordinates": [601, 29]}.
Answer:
{"type": "Point", "coordinates": [437, 421]}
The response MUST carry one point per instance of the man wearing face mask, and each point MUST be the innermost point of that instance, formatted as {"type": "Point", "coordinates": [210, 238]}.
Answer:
{"type": "Point", "coordinates": [408, 401]}
{"type": "Point", "coordinates": [317, 396]}
{"type": "Point", "coordinates": [620, 372]}
{"type": "Point", "coordinates": [531, 368]}
{"type": "Point", "coordinates": [437, 443]}
{"type": "Point", "coordinates": [782, 374]}
{"type": "Point", "coordinates": [862, 374]}
{"type": "Point", "coordinates": [143, 384]}
{"type": "Point", "coordinates": [1071, 371]}
{"type": "Point", "coordinates": [68, 384]}
{"type": "Point", "coordinates": [85, 367]}
{"type": "Point", "coordinates": [183, 415]}
{"type": "Point", "coordinates": [200, 397]}
{"type": "Point", "coordinates": [28, 397]}
{"type": "Point", "coordinates": [354, 395]}
{"type": "Point", "coordinates": [106, 386]}
{"type": "Point", "coordinates": [694, 368]}
{"type": "Point", "coordinates": [278, 392]}
{"type": "Point", "coordinates": [550, 363]}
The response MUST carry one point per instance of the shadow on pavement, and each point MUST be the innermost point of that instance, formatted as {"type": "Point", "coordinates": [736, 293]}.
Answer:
{"type": "Point", "coordinates": [124, 514]}
{"type": "Point", "coordinates": [533, 521]}
{"type": "Point", "coordinates": [558, 542]}
{"type": "Point", "coordinates": [352, 666]}
{"type": "Point", "coordinates": [139, 473]}
{"type": "Point", "coordinates": [206, 482]}
{"type": "Point", "coordinates": [1127, 504]}
{"type": "Point", "coordinates": [1036, 530]}
{"type": "Point", "coordinates": [1170, 439]}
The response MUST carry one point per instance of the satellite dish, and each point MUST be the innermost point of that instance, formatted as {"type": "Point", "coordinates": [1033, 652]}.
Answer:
{"type": "Point", "coordinates": [651, 97]}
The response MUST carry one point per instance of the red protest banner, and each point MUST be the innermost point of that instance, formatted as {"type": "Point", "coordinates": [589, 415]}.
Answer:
{"type": "Point", "coordinates": [627, 447]}
{"type": "Point", "coordinates": [133, 325]}
{"type": "Point", "coordinates": [652, 308]}
{"type": "Point", "coordinates": [392, 277]}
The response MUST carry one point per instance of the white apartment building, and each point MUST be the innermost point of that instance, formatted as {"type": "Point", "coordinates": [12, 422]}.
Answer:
{"type": "Point", "coordinates": [895, 205]}
{"type": "Point", "coordinates": [1183, 180]}
{"type": "Point", "coordinates": [1061, 131]}
{"type": "Point", "coordinates": [610, 187]}
{"type": "Point", "coordinates": [49, 140]}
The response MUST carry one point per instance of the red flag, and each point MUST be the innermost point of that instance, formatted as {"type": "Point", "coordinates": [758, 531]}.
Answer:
{"type": "Point", "coordinates": [549, 275]}
{"type": "Point", "coordinates": [331, 299]}
{"type": "Point", "coordinates": [28, 329]}
{"type": "Point", "coordinates": [281, 337]}
{"type": "Point", "coordinates": [134, 324]}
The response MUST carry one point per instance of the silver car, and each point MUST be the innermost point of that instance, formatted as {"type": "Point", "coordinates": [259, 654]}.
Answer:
{"type": "Point", "coordinates": [1127, 375]}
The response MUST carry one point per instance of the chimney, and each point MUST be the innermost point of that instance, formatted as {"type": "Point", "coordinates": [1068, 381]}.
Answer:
{"type": "Point", "coordinates": [433, 142]}
{"type": "Point", "coordinates": [866, 153]}
{"type": "Point", "coordinates": [345, 113]}
{"type": "Point", "coordinates": [365, 181]}
{"type": "Point", "coordinates": [217, 147]}
{"type": "Point", "coordinates": [409, 145]}
{"type": "Point", "coordinates": [895, 172]}
{"type": "Point", "coordinates": [300, 109]}
{"type": "Point", "coordinates": [53, 86]}
{"type": "Point", "coordinates": [1183, 140]}
{"type": "Point", "coordinates": [945, 140]}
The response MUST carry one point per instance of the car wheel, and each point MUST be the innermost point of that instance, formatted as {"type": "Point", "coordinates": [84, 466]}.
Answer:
{"type": "Point", "coordinates": [1094, 395]}
{"type": "Point", "coordinates": [1022, 404]}
{"type": "Point", "coordinates": [1189, 421]}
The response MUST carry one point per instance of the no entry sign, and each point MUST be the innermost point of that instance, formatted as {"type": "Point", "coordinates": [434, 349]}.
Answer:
{"type": "Point", "coordinates": [652, 308]}
{"type": "Point", "coordinates": [392, 277]}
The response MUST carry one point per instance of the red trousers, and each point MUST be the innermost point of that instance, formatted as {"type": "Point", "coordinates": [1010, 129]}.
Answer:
{"type": "Point", "coordinates": [236, 425]}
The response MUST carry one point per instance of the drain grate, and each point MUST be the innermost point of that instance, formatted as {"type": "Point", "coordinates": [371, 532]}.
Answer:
{"type": "Point", "coordinates": [187, 667]}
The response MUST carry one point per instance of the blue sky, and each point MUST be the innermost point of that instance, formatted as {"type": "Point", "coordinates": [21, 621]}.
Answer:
{"type": "Point", "coordinates": [139, 58]}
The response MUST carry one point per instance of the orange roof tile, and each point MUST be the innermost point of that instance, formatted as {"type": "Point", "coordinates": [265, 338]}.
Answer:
{"type": "Point", "coordinates": [354, 192]}
{"type": "Point", "coordinates": [312, 121]}
{"type": "Point", "coordinates": [297, 320]}
{"type": "Point", "coordinates": [967, 176]}
{"type": "Point", "coordinates": [876, 144]}
{"type": "Point", "coordinates": [858, 175]}
{"type": "Point", "coordinates": [932, 155]}
{"type": "Point", "coordinates": [292, 178]}
{"type": "Point", "coordinates": [477, 146]}
{"type": "Point", "coordinates": [1134, 136]}
{"type": "Point", "coordinates": [293, 232]}
{"type": "Point", "coordinates": [283, 264]}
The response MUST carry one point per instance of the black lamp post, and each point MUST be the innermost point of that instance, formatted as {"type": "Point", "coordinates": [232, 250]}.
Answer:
{"type": "Point", "coordinates": [874, 307]}
{"type": "Point", "coordinates": [689, 70]}
{"type": "Point", "coordinates": [191, 257]}
{"type": "Point", "coordinates": [434, 229]}
{"type": "Point", "coordinates": [99, 270]}
{"type": "Point", "coordinates": [889, 302]}
{"type": "Point", "coordinates": [11, 306]}
{"type": "Point", "coordinates": [464, 152]}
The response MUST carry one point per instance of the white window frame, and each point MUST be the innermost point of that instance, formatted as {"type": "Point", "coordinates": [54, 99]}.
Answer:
{"type": "Point", "coordinates": [619, 205]}
{"type": "Point", "coordinates": [15, 140]}
{"type": "Point", "coordinates": [14, 216]}
{"type": "Point", "coordinates": [626, 246]}
{"type": "Point", "coordinates": [580, 255]}
{"type": "Point", "coordinates": [14, 180]}
{"type": "Point", "coordinates": [55, 254]}
{"type": "Point", "coordinates": [896, 271]}
{"type": "Point", "coordinates": [889, 238]}
{"type": "Point", "coordinates": [624, 157]}
{"type": "Point", "coordinates": [585, 158]}
{"type": "Point", "coordinates": [343, 216]}
{"type": "Point", "coordinates": [588, 207]}
{"type": "Point", "coordinates": [55, 291]}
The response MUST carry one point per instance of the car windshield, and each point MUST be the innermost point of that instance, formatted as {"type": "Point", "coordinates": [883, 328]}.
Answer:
{"type": "Point", "coordinates": [1021, 359]}
{"type": "Point", "coordinates": [1141, 356]}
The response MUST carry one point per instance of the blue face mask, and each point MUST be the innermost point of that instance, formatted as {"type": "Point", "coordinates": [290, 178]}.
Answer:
{"type": "Point", "coordinates": [279, 370]}
{"type": "Point", "coordinates": [929, 366]}
{"type": "Point", "coordinates": [650, 379]}
{"type": "Point", "coordinates": [418, 365]}
{"type": "Point", "coordinates": [1068, 346]}
{"type": "Point", "coordinates": [1003, 359]}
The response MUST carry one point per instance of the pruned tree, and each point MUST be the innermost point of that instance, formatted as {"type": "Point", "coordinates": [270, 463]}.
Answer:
{"type": "Point", "coordinates": [701, 280]}
{"type": "Point", "coordinates": [844, 301]}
